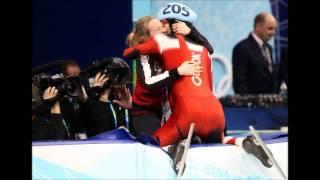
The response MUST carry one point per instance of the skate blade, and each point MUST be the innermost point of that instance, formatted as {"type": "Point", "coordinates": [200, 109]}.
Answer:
{"type": "Point", "coordinates": [266, 150]}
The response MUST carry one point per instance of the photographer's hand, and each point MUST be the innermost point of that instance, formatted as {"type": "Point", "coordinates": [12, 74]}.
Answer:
{"type": "Point", "coordinates": [49, 93]}
{"type": "Point", "coordinates": [104, 96]}
{"type": "Point", "coordinates": [83, 95]}
{"type": "Point", "coordinates": [125, 97]}
{"type": "Point", "coordinates": [99, 80]}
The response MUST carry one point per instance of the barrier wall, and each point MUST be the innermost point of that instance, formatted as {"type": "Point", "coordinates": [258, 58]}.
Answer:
{"type": "Point", "coordinates": [129, 159]}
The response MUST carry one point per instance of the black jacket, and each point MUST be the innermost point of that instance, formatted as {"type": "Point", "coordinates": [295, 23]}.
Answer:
{"type": "Point", "coordinates": [48, 129]}
{"type": "Point", "coordinates": [75, 114]}
{"type": "Point", "coordinates": [250, 69]}
{"type": "Point", "coordinates": [101, 118]}
{"type": "Point", "coordinates": [198, 38]}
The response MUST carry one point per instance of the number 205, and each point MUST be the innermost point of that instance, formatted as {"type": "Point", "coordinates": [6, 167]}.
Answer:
{"type": "Point", "coordinates": [175, 8]}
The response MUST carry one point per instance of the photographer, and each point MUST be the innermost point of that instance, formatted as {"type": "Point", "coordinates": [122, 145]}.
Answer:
{"type": "Point", "coordinates": [110, 110]}
{"type": "Point", "coordinates": [91, 109]}
{"type": "Point", "coordinates": [70, 95]}
{"type": "Point", "coordinates": [51, 127]}
{"type": "Point", "coordinates": [73, 108]}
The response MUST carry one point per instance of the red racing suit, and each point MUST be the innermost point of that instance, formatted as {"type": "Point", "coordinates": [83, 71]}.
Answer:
{"type": "Point", "coordinates": [191, 98]}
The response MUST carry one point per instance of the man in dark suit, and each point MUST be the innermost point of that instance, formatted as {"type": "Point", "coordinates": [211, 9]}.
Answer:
{"type": "Point", "coordinates": [253, 66]}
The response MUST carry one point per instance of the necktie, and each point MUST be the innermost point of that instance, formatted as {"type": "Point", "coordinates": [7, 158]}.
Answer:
{"type": "Point", "coordinates": [266, 55]}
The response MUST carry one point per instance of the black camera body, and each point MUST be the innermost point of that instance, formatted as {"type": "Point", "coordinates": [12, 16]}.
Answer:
{"type": "Point", "coordinates": [70, 86]}
{"type": "Point", "coordinates": [41, 80]}
{"type": "Point", "coordinates": [116, 69]}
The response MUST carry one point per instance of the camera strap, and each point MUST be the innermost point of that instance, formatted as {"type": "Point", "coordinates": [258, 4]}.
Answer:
{"type": "Point", "coordinates": [114, 114]}
{"type": "Point", "coordinates": [65, 125]}
{"type": "Point", "coordinates": [127, 117]}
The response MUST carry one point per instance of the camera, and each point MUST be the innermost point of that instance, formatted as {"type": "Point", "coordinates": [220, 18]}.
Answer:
{"type": "Point", "coordinates": [116, 69]}
{"type": "Point", "coordinates": [70, 86]}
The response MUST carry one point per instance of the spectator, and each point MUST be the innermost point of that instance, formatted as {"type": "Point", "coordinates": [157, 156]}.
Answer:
{"type": "Point", "coordinates": [252, 61]}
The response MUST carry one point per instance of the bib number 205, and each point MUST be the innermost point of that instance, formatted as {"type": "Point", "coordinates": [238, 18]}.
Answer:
{"type": "Point", "coordinates": [177, 9]}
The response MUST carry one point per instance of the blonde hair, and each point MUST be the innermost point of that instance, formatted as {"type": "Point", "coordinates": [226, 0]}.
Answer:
{"type": "Point", "coordinates": [129, 39]}
{"type": "Point", "coordinates": [141, 32]}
